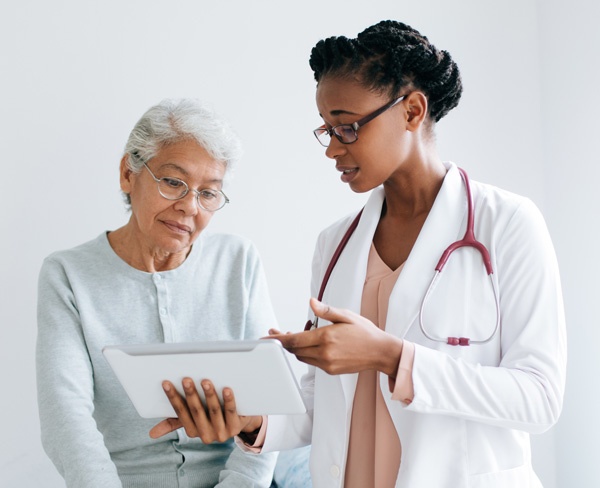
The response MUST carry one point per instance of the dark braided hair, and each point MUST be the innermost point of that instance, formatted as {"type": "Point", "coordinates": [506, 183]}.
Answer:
{"type": "Point", "coordinates": [389, 56]}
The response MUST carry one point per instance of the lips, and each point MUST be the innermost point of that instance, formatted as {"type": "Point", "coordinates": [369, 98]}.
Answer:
{"type": "Point", "coordinates": [348, 173]}
{"type": "Point", "coordinates": [177, 227]}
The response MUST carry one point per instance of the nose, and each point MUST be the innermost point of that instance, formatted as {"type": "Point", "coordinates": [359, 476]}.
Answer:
{"type": "Point", "coordinates": [335, 148]}
{"type": "Point", "coordinates": [188, 204]}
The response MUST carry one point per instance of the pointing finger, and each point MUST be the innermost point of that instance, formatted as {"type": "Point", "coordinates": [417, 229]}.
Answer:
{"type": "Point", "coordinates": [332, 314]}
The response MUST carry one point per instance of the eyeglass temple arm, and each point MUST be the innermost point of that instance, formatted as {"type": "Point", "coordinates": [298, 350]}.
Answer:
{"type": "Point", "coordinates": [368, 118]}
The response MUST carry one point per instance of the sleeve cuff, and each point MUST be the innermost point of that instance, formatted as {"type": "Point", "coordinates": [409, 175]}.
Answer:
{"type": "Point", "coordinates": [255, 447]}
{"type": "Point", "coordinates": [402, 388]}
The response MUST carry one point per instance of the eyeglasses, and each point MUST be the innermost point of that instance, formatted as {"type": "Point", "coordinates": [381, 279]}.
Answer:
{"type": "Point", "coordinates": [348, 133]}
{"type": "Point", "coordinates": [176, 189]}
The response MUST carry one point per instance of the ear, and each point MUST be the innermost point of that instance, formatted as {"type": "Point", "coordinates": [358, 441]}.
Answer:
{"type": "Point", "coordinates": [416, 110]}
{"type": "Point", "coordinates": [125, 175]}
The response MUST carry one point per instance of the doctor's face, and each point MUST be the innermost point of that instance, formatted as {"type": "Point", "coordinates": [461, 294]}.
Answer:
{"type": "Point", "coordinates": [382, 145]}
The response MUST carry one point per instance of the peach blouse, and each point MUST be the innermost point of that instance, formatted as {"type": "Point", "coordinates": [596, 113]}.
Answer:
{"type": "Point", "coordinates": [374, 448]}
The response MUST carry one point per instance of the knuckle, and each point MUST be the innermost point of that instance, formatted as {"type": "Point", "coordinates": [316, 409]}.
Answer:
{"type": "Point", "coordinates": [195, 411]}
{"type": "Point", "coordinates": [207, 439]}
{"type": "Point", "coordinates": [179, 410]}
{"type": "Point", "coordinates": [328, 357]}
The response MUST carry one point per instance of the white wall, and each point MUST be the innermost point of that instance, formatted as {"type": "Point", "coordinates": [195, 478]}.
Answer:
{"type": "Point", "coordinates": [76, 75]}
{"type": "Point", "coordinates": [570, 44]}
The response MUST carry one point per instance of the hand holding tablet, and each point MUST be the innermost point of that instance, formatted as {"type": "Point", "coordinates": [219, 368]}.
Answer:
{"type": "Point", "coordinates": [258, 372]}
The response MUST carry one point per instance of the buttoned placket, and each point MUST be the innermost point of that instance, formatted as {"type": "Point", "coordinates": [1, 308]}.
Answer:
{"type": "Point", "coordinates": [169, 335]}
{"type": "Point", "coordinates": [162, 303]}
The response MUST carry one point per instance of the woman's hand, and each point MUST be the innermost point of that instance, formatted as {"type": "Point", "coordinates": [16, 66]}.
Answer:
{"type": "Point", "coordinates": [350, 344]}
{"type": "Point", "coordinates": [212, 422]}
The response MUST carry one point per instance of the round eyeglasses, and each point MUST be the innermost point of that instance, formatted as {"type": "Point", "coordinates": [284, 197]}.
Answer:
{"type": "Point", "coordinates": [175, 189]}
{"type": "Point", "coordinates": [348, 133]}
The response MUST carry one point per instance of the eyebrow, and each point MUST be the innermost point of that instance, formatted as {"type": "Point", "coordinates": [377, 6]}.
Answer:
{"type": "Point", "coordinates": [176, 167]}
{"type": "Point", "coordinates": [336, 113]}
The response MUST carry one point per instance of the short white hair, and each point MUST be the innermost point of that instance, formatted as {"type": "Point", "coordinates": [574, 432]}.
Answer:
{"type": "Point", "coordinates": [175, 120]}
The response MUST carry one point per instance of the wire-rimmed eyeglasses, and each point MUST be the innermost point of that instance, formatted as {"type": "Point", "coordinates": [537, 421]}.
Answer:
{"type": "Point", "coordinates": [175, 189]}
{"type": "Point", "coordinates": [348, 133]}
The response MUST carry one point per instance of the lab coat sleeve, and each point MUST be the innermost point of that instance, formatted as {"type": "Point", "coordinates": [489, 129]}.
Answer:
{"type": "Point", "coordinates": [525, 390]}
{"type": "Point", "coordinates": [66, 389]}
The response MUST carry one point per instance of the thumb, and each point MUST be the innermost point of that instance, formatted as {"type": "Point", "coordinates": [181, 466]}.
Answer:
{"type": "Point", "coordinates": [331, 314]}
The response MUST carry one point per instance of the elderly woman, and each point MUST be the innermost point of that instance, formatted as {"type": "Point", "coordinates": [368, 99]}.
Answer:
{"type": "Point", "coordinates": [159, 278]}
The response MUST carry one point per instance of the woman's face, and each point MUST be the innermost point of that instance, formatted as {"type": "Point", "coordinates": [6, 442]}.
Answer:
{"type": "Point", "coordinates": [382, 145]}
{"type": "Point", "coordinates": [171, 226]}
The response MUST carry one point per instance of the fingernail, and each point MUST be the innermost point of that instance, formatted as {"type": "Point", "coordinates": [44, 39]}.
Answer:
{"type": "Point", "coordinates": [226, 394]}
{"type": "Point", "coordinates": [206, 386]}
{"type": "Point", "coordinates": [166, 386]}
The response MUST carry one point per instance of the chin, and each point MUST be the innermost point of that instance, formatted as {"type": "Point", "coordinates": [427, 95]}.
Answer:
{"type": "Point", "coordinates": [361, 188]}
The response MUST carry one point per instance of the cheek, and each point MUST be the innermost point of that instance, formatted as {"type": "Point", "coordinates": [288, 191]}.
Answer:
{"type": "Point", "coordinates": [146, 208]}
{"type": "Point", "coordinates": [202, 220]}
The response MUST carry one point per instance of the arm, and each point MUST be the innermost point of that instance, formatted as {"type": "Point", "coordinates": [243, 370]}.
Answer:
{"type": "Point", "coordinates": [66, 388]}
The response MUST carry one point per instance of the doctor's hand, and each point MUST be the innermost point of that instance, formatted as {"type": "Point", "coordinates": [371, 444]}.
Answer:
{"type": "Point", "coordinates": [213, 422]}
{"type": "Point", "coordinates": [350, 344]}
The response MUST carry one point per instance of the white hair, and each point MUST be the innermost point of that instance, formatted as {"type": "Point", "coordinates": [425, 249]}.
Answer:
{"type": "Point", "coordinates": [175, 120]}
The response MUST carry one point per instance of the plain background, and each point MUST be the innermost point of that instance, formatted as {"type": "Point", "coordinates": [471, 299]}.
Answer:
{"type": "Point", "coordinates": [76, 76]}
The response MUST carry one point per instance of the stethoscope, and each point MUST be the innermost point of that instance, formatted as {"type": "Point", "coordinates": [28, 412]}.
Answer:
{"type": "Point", "coordinates": [468, 240]}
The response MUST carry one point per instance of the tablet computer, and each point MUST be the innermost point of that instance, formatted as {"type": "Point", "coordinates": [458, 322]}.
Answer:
{"type": "Point", "coordinates": [258, 372]}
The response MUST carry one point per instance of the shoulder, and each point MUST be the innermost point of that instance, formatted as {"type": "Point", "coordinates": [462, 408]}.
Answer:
{"type": "Point", "coordinates": [336, 230]}
{"type": "Point", "coordinates": [225, 248]}
{"type": "Point", "coordinates": [509, 220]}
{"type": "Point", "coordinates": [82, 253]}
{"type": "Point", "coordinates": [502, 205]}
{"type": "Point", "coordinates": [226, 242]}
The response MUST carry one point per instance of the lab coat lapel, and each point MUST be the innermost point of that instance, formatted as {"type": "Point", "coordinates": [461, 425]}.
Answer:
{"type": "Point", "coordinates": [347, 279]}
{"type": "Point", "coordinates": [444, 224]}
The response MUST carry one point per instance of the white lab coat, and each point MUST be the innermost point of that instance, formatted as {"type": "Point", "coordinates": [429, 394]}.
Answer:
{"type": "Point", "coordinates": [474, 407]}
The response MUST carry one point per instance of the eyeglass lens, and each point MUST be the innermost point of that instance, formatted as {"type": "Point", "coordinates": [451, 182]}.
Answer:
{"type": "Point", "coordinates": [174, 189]}
{"type": "Point", "coordinates": [344, 133]}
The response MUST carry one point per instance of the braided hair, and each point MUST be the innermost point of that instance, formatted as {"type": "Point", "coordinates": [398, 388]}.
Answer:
{"type": "Point", "coordinates": [389, 56]}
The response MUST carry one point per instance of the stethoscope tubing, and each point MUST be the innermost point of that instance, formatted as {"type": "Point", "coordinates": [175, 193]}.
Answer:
{"type": "Point", "coordinates": [468, 240]}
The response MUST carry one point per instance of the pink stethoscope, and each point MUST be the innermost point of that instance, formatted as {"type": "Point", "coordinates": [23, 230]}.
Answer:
{"type": "Point", "coordinates": [468, 240]}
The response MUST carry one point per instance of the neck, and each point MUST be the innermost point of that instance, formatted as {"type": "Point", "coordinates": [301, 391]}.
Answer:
{"type": "Point", "coordinates": [411, 191]}
{"type": "Point", "coordinates": [139, 254]}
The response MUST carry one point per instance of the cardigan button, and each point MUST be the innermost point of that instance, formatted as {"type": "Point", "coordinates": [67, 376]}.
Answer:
{"type": "Point", "coordinates": [335, 471]}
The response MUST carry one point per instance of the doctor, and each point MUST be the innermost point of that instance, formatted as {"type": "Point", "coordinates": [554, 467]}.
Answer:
{"type": "Point", "coordinates": [402, 391]}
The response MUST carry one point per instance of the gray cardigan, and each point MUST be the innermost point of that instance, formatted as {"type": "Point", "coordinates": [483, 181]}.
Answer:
{"type": "Point", "coordinates": [89, 298]}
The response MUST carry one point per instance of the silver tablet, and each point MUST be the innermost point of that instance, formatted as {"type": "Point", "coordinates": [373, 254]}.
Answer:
{"type": "Point", "coordinates": [258, 372]}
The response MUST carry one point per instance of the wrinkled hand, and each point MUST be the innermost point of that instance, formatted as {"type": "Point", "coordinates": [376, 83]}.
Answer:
{"type": "Point", "coordinates": [350, 344]}
{"type": "Point", "coordinates": [212, 422]}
